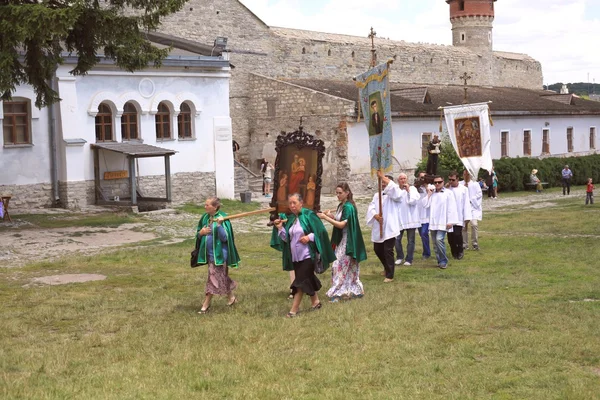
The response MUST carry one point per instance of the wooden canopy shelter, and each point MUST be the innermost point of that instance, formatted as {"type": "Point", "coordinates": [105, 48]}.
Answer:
{"type": "Point", "coordinates": [132, 151]}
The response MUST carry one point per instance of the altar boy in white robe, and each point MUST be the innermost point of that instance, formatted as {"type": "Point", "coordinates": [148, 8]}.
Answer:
{"type": "Point", "coordinates": [384, 244]}
{"type": "Point", "coordinates": [442, 216]}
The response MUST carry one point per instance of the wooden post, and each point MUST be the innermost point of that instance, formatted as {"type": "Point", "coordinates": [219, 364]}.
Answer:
{"type": "Point", "coordinates": [132, 187]}
{"type": "Point", "coordinates": [380, 206]}
{"type": "Point", "coordinates": [96, 175]}
{"type": "Point", "coordinates": [168, 177]}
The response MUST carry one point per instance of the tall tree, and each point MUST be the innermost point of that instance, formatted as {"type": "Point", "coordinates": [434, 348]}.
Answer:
{"type": "Point", "coordinates": [36, 34]}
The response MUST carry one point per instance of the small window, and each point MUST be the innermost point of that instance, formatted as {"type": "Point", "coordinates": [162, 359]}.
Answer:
{"type": "Point", "coordinates": [104, 123]}
{"type": "Point", "coordinates": [425, 139]}
{"type": "Point", "coordinates": [163, 122]}
{"type": "Point", "coordinates": [329, 53]}
{"type": "Point", "coordinates": [526, 143]}
{"type": "Point", "coordinates": [353, 54]}
{"type": "Point", "coordinates": [184, 121]}
{"type": "Point", "coordinates": [545, 141]}
{"type": "Point", "coordinates": [461, 5]}
{"type": "Point", "coordinates": [17, 122]}
{"type": "Point", "coordinates": [129, 122]}
{"type": "Point", "coordinates": [570, 139]}
{"type": "Point", "coordinates": [462, 37]}
{"type": "Point", "coordinates": [504, 144]}
{"type": "Point", "coordinates": [304, 50]}
{"type": "Point", "coordinates": [592, 137]}
{"type": "Point", "coordinates": [271, 108]}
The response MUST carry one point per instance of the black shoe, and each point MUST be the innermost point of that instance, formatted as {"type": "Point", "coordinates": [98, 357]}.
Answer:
{"type": "Point", "coordinates": [460, 256]}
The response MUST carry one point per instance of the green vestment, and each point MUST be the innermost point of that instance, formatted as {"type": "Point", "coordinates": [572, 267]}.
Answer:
{"type": "Point", "coordinates": [355, 245]}
{"type": "Point", "coordinates": [310, 223]}
{"type": "Point", "coordinates": [233, 258]}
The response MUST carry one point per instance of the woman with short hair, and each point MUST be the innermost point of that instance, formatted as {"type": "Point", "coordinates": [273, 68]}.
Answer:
{"type": "Point", "coordinates": [217, 249]}
{"type": "Point", "coordinates": [300, 236]}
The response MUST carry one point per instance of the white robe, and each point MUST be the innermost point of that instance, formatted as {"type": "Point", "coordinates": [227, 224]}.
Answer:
{"type": "Point", "coordinates": [476, 199]}
{"type": "Point", "coordinates": [423, 212]}
{"type": "Point", "coordinates": [409, 212]}
{"type": "Point", "coordinates": [391, 221]}
{"type": "Point", "coordinates": [442, 210]}
{"type": "Point", "coordinates": [463, 204]}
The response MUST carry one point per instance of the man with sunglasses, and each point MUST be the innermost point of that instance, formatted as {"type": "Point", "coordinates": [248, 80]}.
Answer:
{"type": "Point", "coordinates": [463, 208]}
{"type": "Point", "coordinates": [442, 216]}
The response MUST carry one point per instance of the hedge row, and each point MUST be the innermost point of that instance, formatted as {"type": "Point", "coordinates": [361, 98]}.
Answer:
{"type": "Point", "coordinates": [513, 173]}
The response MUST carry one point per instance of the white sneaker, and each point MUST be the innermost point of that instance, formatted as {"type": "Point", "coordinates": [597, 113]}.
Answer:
{"type": "Point", "coordinates": [407, 263]}
{"type": "Point", "coordinates": [398, 262]}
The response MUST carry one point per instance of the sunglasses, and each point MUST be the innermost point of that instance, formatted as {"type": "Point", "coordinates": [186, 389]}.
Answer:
{"type": "Point", "coordinates": [451, 179]}
{"type": "Point", "coordinates": [438, 182]}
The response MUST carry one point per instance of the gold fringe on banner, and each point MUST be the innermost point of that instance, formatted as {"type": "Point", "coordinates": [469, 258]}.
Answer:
{"type": "Point", "coordinates": [490, 115]}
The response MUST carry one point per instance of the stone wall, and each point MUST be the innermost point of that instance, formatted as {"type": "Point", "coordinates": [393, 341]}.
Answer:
{"type": "Point", "coordinates": [322, 115]}
{"type": "Point", "coordinates": [25, 197]}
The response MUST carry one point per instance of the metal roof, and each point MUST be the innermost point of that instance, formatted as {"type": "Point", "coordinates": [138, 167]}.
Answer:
{"type": "Point", "coordinates": [134, 149]}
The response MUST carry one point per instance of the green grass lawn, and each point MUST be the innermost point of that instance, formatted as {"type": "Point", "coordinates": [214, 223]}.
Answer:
{"type": "Point", "coordinates": [512, 321]}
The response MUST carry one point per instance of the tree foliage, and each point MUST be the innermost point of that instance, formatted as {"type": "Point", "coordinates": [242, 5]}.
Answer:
{"type": "Point", "coordinates": [37, 34]}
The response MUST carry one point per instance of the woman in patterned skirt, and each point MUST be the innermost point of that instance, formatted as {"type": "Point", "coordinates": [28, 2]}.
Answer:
{"type": "Point", "coordinates": [217, 249]}
{"type": "Point", "coordinates": [349, 247]}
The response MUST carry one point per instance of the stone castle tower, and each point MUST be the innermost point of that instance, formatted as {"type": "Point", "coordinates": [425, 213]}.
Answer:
{"type": "Point", "coordinates": [472, 23]}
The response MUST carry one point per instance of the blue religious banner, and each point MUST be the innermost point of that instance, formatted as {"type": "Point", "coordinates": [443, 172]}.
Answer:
{"type": "Point", "coordinates": [374, 99]}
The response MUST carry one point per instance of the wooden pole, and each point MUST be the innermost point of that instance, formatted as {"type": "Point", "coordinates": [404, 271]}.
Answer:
{"type": "Point", "coordinates": [246, 214]}
{"type": "Point", "coordinates": [380, 207]}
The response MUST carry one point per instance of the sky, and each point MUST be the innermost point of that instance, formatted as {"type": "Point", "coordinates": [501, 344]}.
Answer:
{"type": "Point", "coordinates": [563, 35]}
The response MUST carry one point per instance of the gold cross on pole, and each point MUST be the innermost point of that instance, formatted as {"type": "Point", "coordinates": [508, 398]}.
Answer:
{"type": "Point", "coordinates": [373, 51]}
{"type": "Point", "coordinates": [465, 77]}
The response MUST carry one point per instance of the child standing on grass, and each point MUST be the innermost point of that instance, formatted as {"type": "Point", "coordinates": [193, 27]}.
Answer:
{"type": "Point", "coordinates": [589, 192]}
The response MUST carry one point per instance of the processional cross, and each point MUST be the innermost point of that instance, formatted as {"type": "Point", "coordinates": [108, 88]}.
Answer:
{"type": "Point", "coordinates": [465, 77]}
{"type": "Point", "coordinates": [373, 51]}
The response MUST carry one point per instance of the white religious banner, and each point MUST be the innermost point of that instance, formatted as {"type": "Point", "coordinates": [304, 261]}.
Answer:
{"type": "Point", "coordinates": [469, 130]}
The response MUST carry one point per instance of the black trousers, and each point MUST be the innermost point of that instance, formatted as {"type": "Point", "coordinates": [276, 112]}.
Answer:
{"type": "Point", "coordinates": [566, 186]}
{"type": "Point", "coordinates": [455, 240]}
{"type": "Point", "coordinates": [385, 253]}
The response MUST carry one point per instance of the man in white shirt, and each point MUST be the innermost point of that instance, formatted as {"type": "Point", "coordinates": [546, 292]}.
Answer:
{"type": "Point", "coordinates": [384, 244]}
{"type": "Point", "coordinates": [409, 219]}
{"type": "Point", "coordinates": [424, 216]}
{"type": "Point", "coordinates": [442, 215]}
{"type": "Point", "coordinates": [475, 198]}
{"type": "Point", "coordinates": [463, 208]}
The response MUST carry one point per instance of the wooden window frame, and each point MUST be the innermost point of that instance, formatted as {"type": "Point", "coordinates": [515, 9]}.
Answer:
{"type": "Point", "coordinates": [103, 120]}
{"type": "Point", "coordinates": [10, 122]}
{"type": "Point", "coordinates": [184, 122]}
{"type": "Point", "coordinates": [504, 145]}
{"type": "Point", "coordinates": [545, 141]}
{"type": "Point", "coordinates": [592, 137]}
{"type": "Point", "coordinates": [527, 142]}
{"type": "Point", "coordinates": [425, 143]}
{"type": "Point", "coordinates": [129, 123]}
{"type": "Point", "coordinates": [570, 139]}
{"type": "Point", "coordinates": [162, 119]}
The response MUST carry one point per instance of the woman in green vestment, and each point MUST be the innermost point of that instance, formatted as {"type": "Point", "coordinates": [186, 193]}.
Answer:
{"type": "Point", "coordinates": [349, 247]}
{"type": "Point", "coordinates": [300, 237]}
{"type": "Point", "coordinates": [217, 249]}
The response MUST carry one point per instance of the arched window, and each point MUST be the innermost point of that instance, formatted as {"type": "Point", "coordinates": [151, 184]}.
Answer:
{"type": "Point", "coordinates": [163, 122]}
{"type": "Point", "coordinates": [129, 122]}
{"type": "Point", "coordinates": [104, 123]}
{"type": "Point", "coordinates": [184, 121]}
{"type": "Point", "coordinates": [16, 124]}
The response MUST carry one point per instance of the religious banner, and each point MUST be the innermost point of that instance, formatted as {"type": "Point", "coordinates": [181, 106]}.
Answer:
{"type": "Point", "coordinates": [469, 130]}
{"type": "Point", "coordinates": [374, 99]}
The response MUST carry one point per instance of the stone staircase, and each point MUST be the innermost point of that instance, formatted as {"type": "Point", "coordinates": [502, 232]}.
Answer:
{"type": "Point", "coordinates": [246, 180]}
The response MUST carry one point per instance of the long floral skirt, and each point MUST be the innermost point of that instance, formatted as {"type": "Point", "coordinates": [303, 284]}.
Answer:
{"type": "Point", "coordinates": [345, 280]}
{"type": "Point", "coordinates": [218, 281]}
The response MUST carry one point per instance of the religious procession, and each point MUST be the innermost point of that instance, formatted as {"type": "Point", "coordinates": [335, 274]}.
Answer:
{"type": "Point", "coordinates": [434, 207]}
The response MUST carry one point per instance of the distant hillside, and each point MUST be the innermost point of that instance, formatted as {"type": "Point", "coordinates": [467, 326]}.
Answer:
{"type": "Point", "coordinates": [579, 88]}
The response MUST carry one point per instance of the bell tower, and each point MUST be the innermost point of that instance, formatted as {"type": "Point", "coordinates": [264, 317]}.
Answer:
{"type": "Point", "coordinates": [472, 23]}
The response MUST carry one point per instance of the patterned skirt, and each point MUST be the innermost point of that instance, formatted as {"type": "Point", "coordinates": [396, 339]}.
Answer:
{"type": "Point", "coordinates": [345, 280]}
{"type": "Point", "coordinates": [218, 281]}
